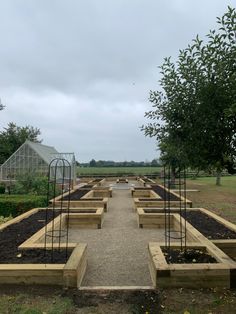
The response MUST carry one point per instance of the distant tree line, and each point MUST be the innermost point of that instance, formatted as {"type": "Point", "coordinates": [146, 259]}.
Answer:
{"type": "Point", "coordinates": [111, 163]}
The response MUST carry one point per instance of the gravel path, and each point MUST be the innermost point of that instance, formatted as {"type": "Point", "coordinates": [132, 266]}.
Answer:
{"type": "Point", "coordinates": [117, 253]}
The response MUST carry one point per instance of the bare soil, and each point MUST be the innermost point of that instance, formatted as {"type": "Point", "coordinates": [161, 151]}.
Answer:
{"type": "Point", "coordinates": [14, 235]}
{"type": "Point", "coordinates": [166, 301]}
{"type": "Point", "coordinates": [76, 195]}
{"type": "Point", "coordinates": [164, 194]}
{"type": "Point", "coordinates": [208, 226]}
{"type": "Point", "coordinates": [188, 256]}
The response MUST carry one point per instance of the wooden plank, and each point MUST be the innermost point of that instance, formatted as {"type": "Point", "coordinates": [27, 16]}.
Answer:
{"type": "Point", "coordinates": [20, 217]}
{"type": "Point", "coordinates": [186, 275]}
{"type": "Point", "coordinates": [75, 267]}
{"type": "Point", "coordinates": [31, 274]}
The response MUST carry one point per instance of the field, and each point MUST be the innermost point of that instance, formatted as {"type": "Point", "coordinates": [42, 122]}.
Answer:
{"type": "Point", "coordinates": [117, 170]}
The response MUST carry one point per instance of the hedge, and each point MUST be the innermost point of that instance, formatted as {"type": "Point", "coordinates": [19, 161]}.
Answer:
{"type": "Point", "coordinates": [14, 205]}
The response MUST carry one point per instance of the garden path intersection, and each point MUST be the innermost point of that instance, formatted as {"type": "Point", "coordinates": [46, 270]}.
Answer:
{"type": "Point", "coordinates": [118, 252]}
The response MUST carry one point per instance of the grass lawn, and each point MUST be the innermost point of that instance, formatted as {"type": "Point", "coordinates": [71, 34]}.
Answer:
{"type": "Point", "coordinates": [46, 300]}
{"type": "Point", "coordinates": [219, 199]}
{"type": "Point", "coordinates": [117, 170]}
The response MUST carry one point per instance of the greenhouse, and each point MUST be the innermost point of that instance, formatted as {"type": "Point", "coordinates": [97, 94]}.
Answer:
{"type": "Point", "coordinates": [35, 158]}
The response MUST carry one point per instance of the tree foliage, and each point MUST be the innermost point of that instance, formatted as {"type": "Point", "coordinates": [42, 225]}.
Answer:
{"type": "Point", "coordinates": [13, 136]}
{"type": "Point", "coordinates": [194, 113]}
{"type": "Point", "coordinates": [1, 105]}
{"type": "Point", "coordinates": [30, 183]}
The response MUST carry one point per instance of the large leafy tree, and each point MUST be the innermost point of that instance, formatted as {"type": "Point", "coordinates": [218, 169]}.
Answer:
{"type": "Point", "coordinates": [13, 136]}
{"type": "Point", "coordinates": [194, 113]}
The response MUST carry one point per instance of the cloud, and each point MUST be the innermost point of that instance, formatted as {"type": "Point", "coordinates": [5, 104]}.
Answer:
{"type": "Point", "coordinates": [81, 71]}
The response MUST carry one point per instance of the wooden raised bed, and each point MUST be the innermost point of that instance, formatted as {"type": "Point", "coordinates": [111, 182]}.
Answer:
{"type": "Point", "coordinates": [144, 193]}
{"type": "Point", "coordinates": [76, 220]}
{"type": "Point", "coordinates": [155, 203]}
{"type": "Point", "coordinates": [97, 182]}
{"type": "Point", "coordinates": [222, 274]}
{"type": "Point", "coordinates": [226, 245]}
{"type": "Point", "coordinates": [69, 274]}
{"type": "Point", "coordinates": [85, 203]}
{"type": "Point", "coordinates": [149, 218]}
{"type": "Point", "coordinates": [202, 275]}
{"type": "Point", "coordinates": [104, 188]}
{"type": "Point", "coordinates": [146, 181]}
{"type": "Point", "coordinates": [98, 193]}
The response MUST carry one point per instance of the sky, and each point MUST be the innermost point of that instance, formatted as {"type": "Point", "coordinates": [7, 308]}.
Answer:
{"type": "Point", "coordinates": [81, 70]}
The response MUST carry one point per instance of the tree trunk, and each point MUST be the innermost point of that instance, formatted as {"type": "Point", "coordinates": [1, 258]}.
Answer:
{"type": "Point", "coordinates": [218, 177]}
{"type": "Point", "coordinates": [195, 175]}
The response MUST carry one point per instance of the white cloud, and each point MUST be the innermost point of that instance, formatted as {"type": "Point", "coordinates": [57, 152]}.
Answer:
{"type": "Point", "coordinates": [81, 71]}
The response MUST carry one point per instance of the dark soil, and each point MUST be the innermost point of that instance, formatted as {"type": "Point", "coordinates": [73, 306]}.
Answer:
{"type": "Point", "coordinates": [87, 186]}
{"type": "Point", "coordinates": [150, 199]}
{"type": "Point", "coordinates": [161, 192]}
{"type": "Point", "coordinates": [84, 211]}
{"type": "Point", "coordinates": [14, 235]}
{"type": "Point", "coordinates": [140, 301]}
{"type": "Point", "coordinates": [92, 199]}
{"type": "Point", "coordinates": [153, 210]}
{"type": "Point", "coordinates": [96, 180]}
{"type": "Point", "coordinates": [188, 256]}
{"type": "Point", "coordinates": [76, 195]}
{"type": "Point", "coordinates": [208, 226]}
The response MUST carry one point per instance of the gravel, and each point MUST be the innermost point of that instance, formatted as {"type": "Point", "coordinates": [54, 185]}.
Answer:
{"type": "Point", "coordinates": [117, 253]}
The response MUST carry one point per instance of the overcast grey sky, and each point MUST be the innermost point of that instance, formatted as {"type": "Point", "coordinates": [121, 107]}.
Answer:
{"type": "Point", "coordinates": [81, 71]}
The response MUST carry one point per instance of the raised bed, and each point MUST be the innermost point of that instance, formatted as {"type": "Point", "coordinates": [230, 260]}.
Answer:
{"type": "Point", "coordinates": [144, 193]}
{"type": "Point", "coordinates": [98, 193]}
{"type": "Point", "coordinates": [75, 220]}
{"type": "Point", "coordinates": [217, 229]}
{"type": "Point", "coordinates": [104, 188]}
{"type": "Point", "coordinates": [97, 182]}
{"type": "Point", "coordinates": [191, 275]}
{"type": "Point", "coordinates": [31, 266]}
{"type": "Point", "coordinates": [122, 180]}
{"type": "Point", "coordinates": [97, 202]}
{"type": "Point", "coordinates": [220, 274]}
{"type": "Point", "coordinates": [161, 193]}
{"type": "Point", "coordinates": [145, 181]}
{"type": "Point", "coordinates": [75, 194]}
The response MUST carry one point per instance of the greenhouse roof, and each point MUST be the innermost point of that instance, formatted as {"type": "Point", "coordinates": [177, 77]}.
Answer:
{"type": "Point", "coordinates": [44, 151]}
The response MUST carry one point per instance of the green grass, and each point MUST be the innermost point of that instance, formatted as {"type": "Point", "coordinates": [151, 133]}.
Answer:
{"type": "Point", "coordinates": [219, 199]}
{"type": "Point", "coordinates": [117, 170]}
{"type": "Point", "coordinates": [26, 304]}
{"type": "Point", "coordinates": [227, 182]}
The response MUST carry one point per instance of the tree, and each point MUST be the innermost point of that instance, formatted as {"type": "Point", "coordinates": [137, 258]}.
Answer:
{"type": "Point", "coordinates": [92, 163]}
{"type": "Point", "coordinates": [194, 116]}
{"type": "Point", "coordinates": [155, 163]}
{"type": "Point", "coordinates": [1, 105]}
{"type": "Point", "coordinates": [13, 136]}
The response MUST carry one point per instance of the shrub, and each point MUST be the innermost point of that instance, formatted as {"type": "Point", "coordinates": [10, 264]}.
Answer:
{"type": "Point", "coordinates": [14, 205]}
{"type": "Point", "coordinates": [2, 189]}
{"type": "Point", "coordinates": [29, 183]}
{"type": "Point", "coordinates": [5, 219]}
